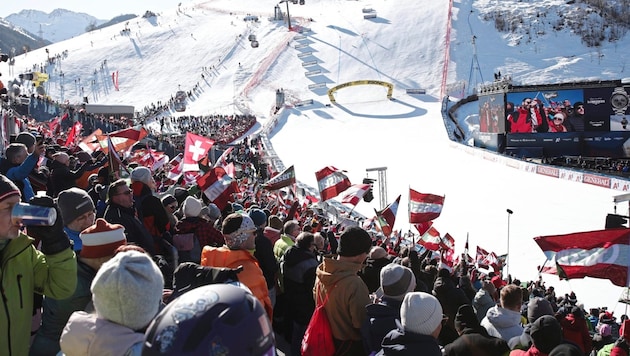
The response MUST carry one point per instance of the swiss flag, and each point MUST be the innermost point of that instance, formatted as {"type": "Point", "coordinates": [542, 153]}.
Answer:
{"type": "Point", "coordinates": [331, 182]}
{"type": "Point", "coordinates": [196, 148]}
{"type": "Point", "coordinates": [218, 186]}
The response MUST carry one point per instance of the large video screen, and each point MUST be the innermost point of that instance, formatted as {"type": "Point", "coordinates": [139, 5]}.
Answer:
{"type": "Point", "coordinates": [492, 114]}
{"type": "Point", "coordinates": [601, 109]}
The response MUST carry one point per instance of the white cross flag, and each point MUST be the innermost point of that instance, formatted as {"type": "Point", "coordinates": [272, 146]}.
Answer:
{"type": "Point", "coordinates": [196, 148]}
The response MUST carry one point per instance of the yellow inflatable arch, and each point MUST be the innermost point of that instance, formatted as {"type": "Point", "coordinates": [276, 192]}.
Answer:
{"type": "Point", "coordinates": [389, 86]}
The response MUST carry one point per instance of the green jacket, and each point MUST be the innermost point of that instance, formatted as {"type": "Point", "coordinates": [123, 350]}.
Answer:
{"type": "Point", "coordinates": [23, 271]}
{"type": "Point", "coordinates": [281, 246]}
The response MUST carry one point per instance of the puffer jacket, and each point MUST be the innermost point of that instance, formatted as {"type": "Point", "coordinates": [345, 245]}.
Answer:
{"type": "Point", "coordinates": [25, 270]}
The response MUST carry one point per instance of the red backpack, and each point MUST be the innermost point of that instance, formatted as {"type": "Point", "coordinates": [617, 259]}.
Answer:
{"type": "Point", "coordinates": [318, 339]}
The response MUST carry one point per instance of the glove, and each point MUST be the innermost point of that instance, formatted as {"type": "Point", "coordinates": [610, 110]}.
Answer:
{"type": "Point", "coordinates": [622, 344]}
{"type": "Point", "coordinates": [53, 238]}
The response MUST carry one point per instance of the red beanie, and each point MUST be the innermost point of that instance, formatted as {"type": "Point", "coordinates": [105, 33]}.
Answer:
{"type": "Point", "coordinates": [102, 239]}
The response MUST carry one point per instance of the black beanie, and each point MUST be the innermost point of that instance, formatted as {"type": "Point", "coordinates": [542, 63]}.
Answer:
{"type": "Point", "coordinates": [546, 333]}
{"type": "Point", "coordinates": [7, 188]}
{"type": "Point", "coordinates": [353, 242]}
{"type": "Point", "coordinates": [466, 318]}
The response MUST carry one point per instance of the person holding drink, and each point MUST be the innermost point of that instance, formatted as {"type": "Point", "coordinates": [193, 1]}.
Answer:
{"type": "Point", "coordinates": [23, 269]}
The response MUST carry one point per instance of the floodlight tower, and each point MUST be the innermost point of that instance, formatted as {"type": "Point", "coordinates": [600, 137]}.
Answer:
{"type": "Point", "coordinates": [382, 184]}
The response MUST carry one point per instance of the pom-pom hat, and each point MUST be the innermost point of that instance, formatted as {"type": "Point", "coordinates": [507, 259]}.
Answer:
{"type": "Point", "coordinates": [102, 239]}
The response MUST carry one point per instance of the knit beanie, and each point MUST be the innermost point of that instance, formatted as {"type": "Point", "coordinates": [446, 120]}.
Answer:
{"type": "Point", "coordinates": [192, 207]}
{"type": "Point", "coordinates": [73, 203]}
{"type": "Point", "coordinates": [7, 188]}
{"type": "Point", "coordinates": [397, 281]}
{"type": "Point", "coordinates": [275, 222]}
{"type": "Point", "coordinates": [354, 241]}
{"type": "Point", "coordinates": [213, 211]}
{"type": "Point", "coordinates": [25, 138]}
{"type": "Point", "coordinates": [466, 318]}
{"type": "Point", "coordinates": [258, 217]}
{"type": "Point", "coordinates": [538, 307]}
{"type": "Point", "coordinates": [377, 252]}
{"type": "Point", "coordinates": [168, 199]}
{"type": "Point", "coordinates": [420, 313]}
{"type": "Point", "coordinates": [566, 349]}
{"type": "Point", "coordinates": [141, 174]}
{"type": "Point", "coordinates": [127, 290]}
{"type": "Point", "coordinates": [180, 194]}
{"type": "Point", "coordinates": [236, 229]}
{"type": "Point", "coordinates": [546, 333]}
{"type": "Point", "coordinates": [102, 239]}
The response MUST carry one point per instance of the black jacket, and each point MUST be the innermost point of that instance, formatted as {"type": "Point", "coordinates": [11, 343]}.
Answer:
{"type": "Point", "coordinates": [381, 319]}
{"type": "Point", "coordinates": [299, 279]}
{"type": "Point", "coordinates": [397, 342]}
{"type": "Point", "coordinates": [471, 343]}
{"type": "Point", "coordinates": [134, 230]}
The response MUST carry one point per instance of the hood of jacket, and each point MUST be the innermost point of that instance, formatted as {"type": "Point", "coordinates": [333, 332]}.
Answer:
{"type": "Point", "coordinates": [503, 318]}
{"type": "Point", "coordinates": [85, 334]}
{"type": "Point", "coordinates": [331, 270]}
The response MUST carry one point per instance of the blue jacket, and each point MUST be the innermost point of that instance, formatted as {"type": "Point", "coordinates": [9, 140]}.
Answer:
{"type": "Point", "coordinates": [19, 174]}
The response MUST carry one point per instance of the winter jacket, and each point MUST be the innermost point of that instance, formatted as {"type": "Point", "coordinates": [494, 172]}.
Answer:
{"type": "Point", "coordinates": [482, 302]}
{"type": "Point", "coordinates": [371, 273]}
{"type": "Point", "coordinates": [381, 319]}
{"type": "Point", "coordinates": [62, 178]}
{"type": "Point", "coordinates": [451, 298]}
{"type": "Point", "coordinates": [77, 244]}
{"type": "Point", "coordinates": [203, 230]}
{"type": "Point", "coordinates": [281, 246]}
{"type": "Point", "coordinates": [575, 330]}
{"type": "Point", "coordinates": [151, 213]}
{"type": "Point", "coordinates": [532, 351]}
{"type": "Point", "coordinates": [19, 174]}
{"type": "Point", "coordinates": [299, 267]}
{"type": "Point", "coordinates": [472, 343]}
{"type": "Point", "coordinates": [348, 296]}
{"type": "Point", "coordinates": [266, 259]}
{"type": "Point", "coordinates": [401, 343]}
{"type": "Point", "coordinates": [502, 323]}
{"type": "Point", "coordinates": [134, 230]}
{"type": "Point", "coordinates": [251, 276]}
{"type": "Point", "coordinates": [56, 312]}
{"type": "Point", "coordinates": [24, 270]}
{"type": "Point", "coordinates": [86, 335]}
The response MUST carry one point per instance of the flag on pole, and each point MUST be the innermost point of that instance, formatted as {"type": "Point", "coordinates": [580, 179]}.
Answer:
{"type": "Point", "coordinates": [355, 193]}
{"type": "Point", "coordinates": [331, 182]}
{"type": "Point", "coordinates": [431, 239]}
{"type": "Point", "coordinates": [281, 180]}
{"type": "Point", "coordinates": [90, 143]}
{"type": "Point", "coordinates": [195, 149]}
{"type": "Point", "coordinates": [598, 254]}
{"type": "Point", "coordinates": [74, 132]}
{"type": "Point", "coordinates": [114, 159]}
{"type": "Point", "coordinates": [448, 242]}
{"type": "Point", "coordinates": [387, 217]}
{"type": "Point", "coordinates": [423, 227]}
{"type": "Point", "coordinates": [218, 186]}
{"type": "Point", "coordinates": [424, 207]}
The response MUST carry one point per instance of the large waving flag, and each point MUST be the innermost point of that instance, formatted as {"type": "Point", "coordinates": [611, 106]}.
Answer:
{"type": "Point", "coordinates": [125, 138]}
{"type": "Point", "coordinates": [218, 186]}
{"type": "Point", "coordinates": [281, 180]}
{"type": "Point", "coordinates": [448, 242]}
{"type": "Point", "coordinates": [387, 217]}
{"type": "Point", "coordinates": [424, 207]}
{"type": "Point", "coordinates": [73, 134]}
{"type": "Point", "coordinates": [90, 143]}
{"type": "Point", "coordinates": [196, 148]}
{"type": "Point", "coordinates": [355, 193]}
{"type": "Point", "coordinates": [598, 254]}
{"type": "Point", "coordinates": [331, 182]}
{"type": "Point", "coordinates": [431, 239]}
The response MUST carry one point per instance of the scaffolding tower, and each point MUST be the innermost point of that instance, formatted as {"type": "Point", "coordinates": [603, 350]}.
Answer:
{"type": "Point", "coordinates": [382, 185]}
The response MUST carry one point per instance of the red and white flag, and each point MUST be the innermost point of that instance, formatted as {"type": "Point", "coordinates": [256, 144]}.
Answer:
{"type": "Point", "coordinates": [196, 148]}
{"type": "Point", "coordinates": [597, 254]}
{"type": "Point", "coordinates": [387, 217]}
{"type": "Point", "coordinates": [431, 239]}
{"type": "Point", "coordinates": [218, 186]}
{"type": "Point", "coordinates": [355, 193]}
{"type": "Point", "coordinates": [281, 180]}
{"type": "Point", "coordinates": [423, 227]}
{"type": "Point", "coordinates": [331, 182]}
{"type": "Point", "coordinates": [448, 242]}
{"type": "Point", "coordinates": [175, 172]}
{"type": "Point", "coordinates": [123, 139]}
{"type": "Point", "coordinates": [75, 132]}
{"type": "Point", "coordinates": [90, 143]}
{"type": "Point", "coordinates": [424, 207]}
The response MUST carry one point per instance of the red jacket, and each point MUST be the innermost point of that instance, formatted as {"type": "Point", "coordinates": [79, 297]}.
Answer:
{"type": "Point", "coordinates": [575, 330]}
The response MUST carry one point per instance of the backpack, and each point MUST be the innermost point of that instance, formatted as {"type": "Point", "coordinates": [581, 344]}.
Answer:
{"type": "Point", "coordinates": [318, 339]}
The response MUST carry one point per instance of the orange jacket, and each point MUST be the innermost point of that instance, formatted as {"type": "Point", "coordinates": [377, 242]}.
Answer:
{"type": "Point", "coordinates": [251, 276]}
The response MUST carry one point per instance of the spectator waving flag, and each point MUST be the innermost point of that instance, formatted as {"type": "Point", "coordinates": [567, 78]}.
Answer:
{"type": "Point", "coordinates": [218, 186]}
{"type": "Point", "coordinates": [195, 149]}
{"type": "Point", "coordinates": [355, 193]}
{"type": "Point", "coordinates": [597, 254]}
{"type": "Point", "coordinates": [424, 207]}
{"type": "Point", "coordinates": [387, 217]}
{"type": "Point", "coordinates": [331, 182]}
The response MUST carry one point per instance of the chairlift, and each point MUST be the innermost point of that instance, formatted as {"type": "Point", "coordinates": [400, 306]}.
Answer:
{"type": "Point", "coordinates": [254, 44]}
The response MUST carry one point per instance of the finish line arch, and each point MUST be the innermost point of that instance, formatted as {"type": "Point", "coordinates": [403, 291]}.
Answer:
{"type": "Point", "coordinates": [389, 86]}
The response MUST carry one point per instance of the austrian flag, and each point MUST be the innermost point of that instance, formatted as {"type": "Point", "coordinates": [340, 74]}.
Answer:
{"type": "Point", "coordinates": [424, 207]}
{"type": "Point", "coordinates": [598, 254]}
{"type": "Point", "coordinates": [218, 186]}
{"type": "Point", "coordinates": [355, 193]}
{"type": "Point", "coordinates": [331, 182]}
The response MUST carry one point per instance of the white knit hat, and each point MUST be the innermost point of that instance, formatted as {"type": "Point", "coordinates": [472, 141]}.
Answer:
{"type": "Point", "coordinates": [192, 207]}
{"type": "Point", "coordinates": [397, 280]}
{"type": "Point", "coordinates": [127, 290]}
{"type": "Point", "coordinates": [141, 174]}
{"type": "Point", "coordinates": [420, 313]}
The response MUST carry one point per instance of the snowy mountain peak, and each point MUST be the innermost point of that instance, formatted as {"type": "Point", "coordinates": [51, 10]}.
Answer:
{"type": "Point", "coordinates": [58, 25]}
